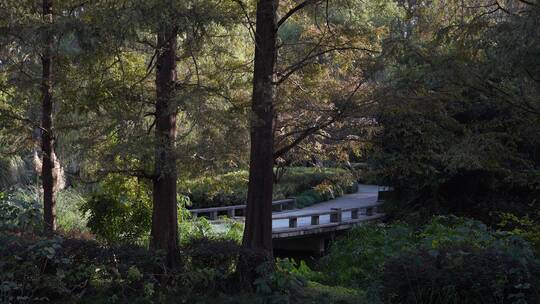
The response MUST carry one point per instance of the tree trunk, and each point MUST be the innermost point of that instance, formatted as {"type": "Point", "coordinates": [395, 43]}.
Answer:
{"type": "Point", "coordinates": [258, 228]}
{"type": "Point", "coordinates": [47, 137]}
{"type": "Point", "coordinates": [164, 235]}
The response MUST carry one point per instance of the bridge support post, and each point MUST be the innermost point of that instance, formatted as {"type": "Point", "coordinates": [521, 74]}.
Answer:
{"type": "Point", "coordinates": [194, 214]}
{"type": "Point", "coordinates": [230, 213]}
{"type": "Point", "coordinates": [354, 214]}
{"type": "Point", "coordinates": [213, 215]}
{"type": "Point", "coordinates": [293, 222]}
{"type": "Point", "coordinates": [335, 216]}
{"type": "Point", "coordinates": [314, 220]}
{"type": "Point", "coordinates": [369, 211]}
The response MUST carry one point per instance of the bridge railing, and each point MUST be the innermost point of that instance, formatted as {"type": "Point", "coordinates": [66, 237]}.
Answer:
{"type": "Point", "coordinates": [232, 211]}
{"type": "Point", "coordinates": [336, 215]}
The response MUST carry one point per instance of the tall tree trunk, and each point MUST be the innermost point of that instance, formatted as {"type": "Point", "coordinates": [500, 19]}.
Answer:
{"type": "Point", "coordinates": [47, 138]}
{"type": "Point", "coordinates": [164, 235]}
{"type": "Point", "coordinates": [258, 228]}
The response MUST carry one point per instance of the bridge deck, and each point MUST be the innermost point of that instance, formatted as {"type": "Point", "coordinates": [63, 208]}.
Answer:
{"type": "Point", "coordinates": [327, 217]}
{"type": "Point", "coordinates": [365, 197]}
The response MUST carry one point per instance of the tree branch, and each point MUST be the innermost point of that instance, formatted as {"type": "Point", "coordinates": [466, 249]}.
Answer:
{"type": "Point", "coordinates": [304, 61]}
{"type": "Point", "coordinates": [293, 11]}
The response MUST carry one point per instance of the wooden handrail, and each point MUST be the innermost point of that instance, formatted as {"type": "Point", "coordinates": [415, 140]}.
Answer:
{"type": "Point", "coordinates": [319, 213]}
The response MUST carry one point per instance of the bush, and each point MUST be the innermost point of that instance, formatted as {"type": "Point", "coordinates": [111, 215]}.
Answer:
{"type": "Point", "coordinates": [527, 227]}
{"type": "Point", "coordinates": [219, 254]}
{"type": "Point", "coordinates": [308, 198]}
{"type": "Point", "coordinates": [62, 270]}
{"type": "Point", "coordinates": [231, 188]}
{"type": "Point", "coordinates": [21, 209]}
{"type": "Point", "coordinates": [19, 213]}
{"type": "Point", "coordinates": [461, 275]}
{"type": "Point", "coordinates": [361, 260]}
{"type": "Point", "coordinates": [358, 260]}
{"type": "Point", "coordinates": [69, 217]}
{"type": "Point", "coordinates": [116, 222]}
{"type": "Point", "coordinates": [220, 190]}
{"type": "Point", "coordinates": [120, 212]}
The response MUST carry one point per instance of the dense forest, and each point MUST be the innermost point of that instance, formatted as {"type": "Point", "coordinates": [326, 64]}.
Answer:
{"type": "Point", "coordinates": [123, 120]}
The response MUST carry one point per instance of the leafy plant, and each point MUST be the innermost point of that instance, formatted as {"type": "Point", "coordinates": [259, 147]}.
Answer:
{"type": "Point", "coordinates": [231, 188]}
{"type": "Point", "coordinates": [276, 282]}
{"type": "Point", "coordinates": [461, 274]}
{"type": "Point", "coordinates": [361, 259]}
{"type": "Point", "coordinates": [19, 213]}
{"type": "Point", "coordinates": [121, 212]}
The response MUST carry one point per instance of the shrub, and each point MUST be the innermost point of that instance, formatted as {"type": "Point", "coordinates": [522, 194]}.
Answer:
{"type": "Point", "coordinates": [21, 209]}
{"type": "Point", "coordinates": [358, 260]}
{"type": "Point", "coordinates": [231, 188]}
{"type": "Point", "coordinates": [527, 227]}
{"type": "Point", "coordinates": [461, 275]}
{"type": "Point", "coordinates": [277, 284]}
{"type": "Point", "coordinates": [19, 213]}
{"type": "Point", "coordinates": [219, 254]}
{"type": "Point", "coordinates": [361, 260]}
{"type": "Point", "coordinates": [308, 198]}
{"type": "Point", "coordinates": [69, 217]}
{"type": "Point", "coordinates": [220, 190]}
{"type": "Point", "coordinates": [120, 212]}
{"type": "Point", "coordinates": [62, 270]}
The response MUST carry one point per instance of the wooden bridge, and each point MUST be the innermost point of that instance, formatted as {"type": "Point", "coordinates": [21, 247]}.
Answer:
{"type": "Point", "coordinates": [311, 228]}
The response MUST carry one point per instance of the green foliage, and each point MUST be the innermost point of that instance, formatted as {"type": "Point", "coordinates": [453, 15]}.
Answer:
{"type": "Point", "coordinates": [308, 198]}
{"type": "Point", "coordinates": [358, 260]}
{"type": "Point", "coordinates": [121, 212]}
{"type": "Point", "coordinates": [327, 190]}
{"type": "Point", "coordinates": [277, 281]}
{"type": "Point", "coordinates": [361, 259]}
{"type": "Point", "coordinates": [231, 188]}
{"type": "Point", "coordinates": [219, 190]}
{"type": "Point", "coordinates": [201, 228]}
{"type": "Point", "coordinates": [69, 217]}
{"type": "Point", "coordinates": [461, 274]}
{"type": "Point", "coordinates": [527, 227]}
{"type": "Point", "coordinates": [217, 256]}
{"type": "Point", "coordinates": [19, 213]}
{"type": "Point", "coordinates": [459, 130]}
{"type": "Point", "coordinates": [63, 270]}
{"type": "Point", "coordinates": [23, 210]}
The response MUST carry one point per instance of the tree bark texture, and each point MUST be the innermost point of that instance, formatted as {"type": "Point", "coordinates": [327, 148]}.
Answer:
{"type": "Point", "coordinates": [47, 137]}
{"type": "Point", "coordinates": [164, 234]}
{"type": "Point", "coordinates": [258, 228]}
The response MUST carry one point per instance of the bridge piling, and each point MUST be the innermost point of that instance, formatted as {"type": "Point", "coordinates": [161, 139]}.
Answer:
{"type": "Point", "coordinates": [335, 216]}
{"type": "Point", "coordinates": [369, 211]}
{"type": "Point", "coordinates": [315, 220]}
{"type": "Point", "coordinates": [293, 222]}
